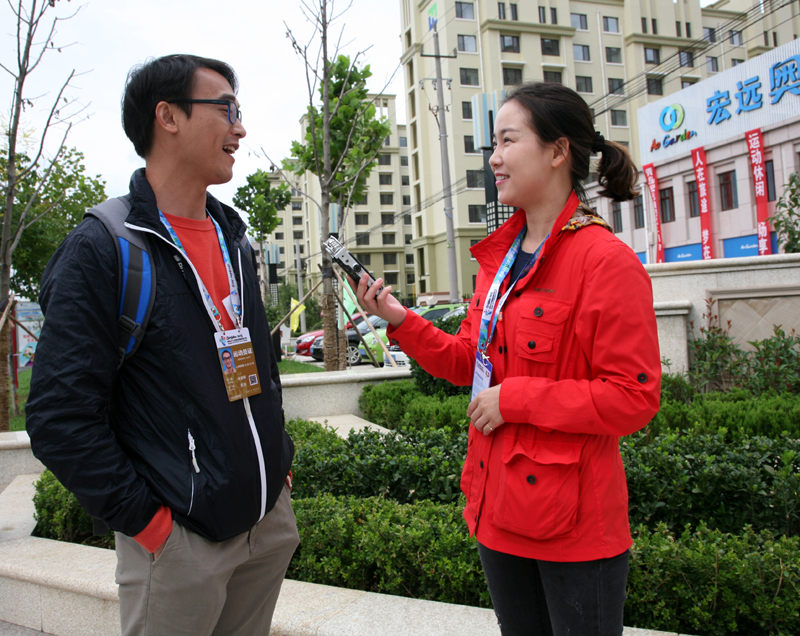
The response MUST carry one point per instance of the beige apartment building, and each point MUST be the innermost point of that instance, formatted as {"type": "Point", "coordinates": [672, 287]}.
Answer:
{"type": "Point", "coordinates": [619, 55]}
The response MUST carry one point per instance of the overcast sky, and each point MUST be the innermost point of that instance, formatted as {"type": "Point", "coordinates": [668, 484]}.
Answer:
{"type": "Point", "coordinates": [111, 36]}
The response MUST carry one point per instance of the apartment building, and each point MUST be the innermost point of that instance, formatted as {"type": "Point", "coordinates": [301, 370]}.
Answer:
{"type": "Point", "coordinates": [377, 228]}
{"type": "Point", "coordinates": [619, 55]}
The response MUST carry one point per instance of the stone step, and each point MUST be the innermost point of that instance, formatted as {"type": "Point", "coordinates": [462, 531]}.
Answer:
{"type": "Point", "coordinates": [16, 518]}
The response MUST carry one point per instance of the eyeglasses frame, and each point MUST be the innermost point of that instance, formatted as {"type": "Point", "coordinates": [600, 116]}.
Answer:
{"type": "Point", "coordinates": [220, 102]}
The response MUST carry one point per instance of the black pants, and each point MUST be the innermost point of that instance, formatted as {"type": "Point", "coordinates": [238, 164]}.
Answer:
{"type": "Point", "coordinates": [547, 598]}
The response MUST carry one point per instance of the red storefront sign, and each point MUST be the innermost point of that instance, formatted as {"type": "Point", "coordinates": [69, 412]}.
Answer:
{"type": "Point", "coordinates": [755, 148]}
{"type": "Point", "coordinates": [701, 177]}
{"type": "Point", "coordinates": [652, 185]}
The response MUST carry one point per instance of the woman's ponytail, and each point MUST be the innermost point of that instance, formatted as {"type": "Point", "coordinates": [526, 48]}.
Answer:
{"type": "Point", "coordinates": [617, 173]}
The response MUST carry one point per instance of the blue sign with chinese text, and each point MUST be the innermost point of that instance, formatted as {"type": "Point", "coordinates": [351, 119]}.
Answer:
{"type": "Point", "coordinates": [746, 246]}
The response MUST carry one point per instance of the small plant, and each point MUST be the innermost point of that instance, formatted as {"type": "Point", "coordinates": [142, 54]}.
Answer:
{"type": "Point", "coordinates": [717, 364]}
{"type": "Point", "coordinates": [787, 216]}
{"type": "Point", "coordinates": [675, 386]}
{"type": "Point", "coordinates": [775, 364]}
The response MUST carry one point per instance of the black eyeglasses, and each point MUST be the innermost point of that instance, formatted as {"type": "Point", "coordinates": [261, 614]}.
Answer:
{"type": "Point", "coordinates": [234, 112]}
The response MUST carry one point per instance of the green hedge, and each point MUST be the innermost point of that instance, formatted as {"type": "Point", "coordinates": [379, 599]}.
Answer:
{"type": "Point", "coordinates": [431, 385]}
{"type": "Point", "coordinates": [400, 405]}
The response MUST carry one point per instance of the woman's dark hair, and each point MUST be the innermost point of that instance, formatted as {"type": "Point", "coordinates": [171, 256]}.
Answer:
{"type": "Point", "coordinates": [161, 80]}
{"type": "Point", "coordinates": [556, 111]}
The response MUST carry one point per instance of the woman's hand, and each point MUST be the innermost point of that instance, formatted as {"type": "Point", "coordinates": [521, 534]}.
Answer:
{"type": "Point", "coordinates": [383, 304]}
{"type": "Point", "coordinates": [484, 410]}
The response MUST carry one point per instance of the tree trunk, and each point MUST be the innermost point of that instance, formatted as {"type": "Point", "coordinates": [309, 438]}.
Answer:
{"type": "Point", "coordinates": [342, 349]}
{"type": "Point", "coordinates": [4, 402]}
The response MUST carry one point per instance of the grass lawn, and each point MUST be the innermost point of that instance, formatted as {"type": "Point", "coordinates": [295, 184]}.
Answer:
{"type": "Point", "coordinates": [287, 366]}
{"type": "Point", "coordinates": [18, 422]}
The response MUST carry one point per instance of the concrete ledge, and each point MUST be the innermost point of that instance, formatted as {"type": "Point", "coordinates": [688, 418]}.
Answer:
{"type": "Point", "coordinates": [17, 520]}
{"type": "Point", "coordinates": [16, 457]}
{"type": "Point", "coordinates": [772, 261]}
{"type": "Point", "coordinates": [343, 424]}
{"type": "Point", "coordinates": [673, 308]}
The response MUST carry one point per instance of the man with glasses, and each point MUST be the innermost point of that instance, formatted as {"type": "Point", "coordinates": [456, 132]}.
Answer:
{"type": "Point", "coordinates": [186, 463]}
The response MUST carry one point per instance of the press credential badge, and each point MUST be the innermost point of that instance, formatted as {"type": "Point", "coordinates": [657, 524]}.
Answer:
{"type": "Point", "coordinates": [238, 363]}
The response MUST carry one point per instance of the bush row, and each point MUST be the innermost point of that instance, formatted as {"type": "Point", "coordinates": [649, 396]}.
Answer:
{"type": "Point", "coordinates": [400, 405]}
{"type": "Point", "coordinates": [701, 582]}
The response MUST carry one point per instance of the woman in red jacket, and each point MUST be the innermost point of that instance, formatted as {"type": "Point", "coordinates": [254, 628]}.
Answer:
{"type": "Point", "coordinates": [560, 346]}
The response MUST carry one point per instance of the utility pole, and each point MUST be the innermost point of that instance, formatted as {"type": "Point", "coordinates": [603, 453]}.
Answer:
{"type": "Point", "coordinates": [440, 111]}
{"type": "Point", "coordinates": [298, 263]}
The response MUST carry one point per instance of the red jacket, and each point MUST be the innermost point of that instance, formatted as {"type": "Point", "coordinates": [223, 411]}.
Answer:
{"type": "Point", "coordinates": [576, 352]}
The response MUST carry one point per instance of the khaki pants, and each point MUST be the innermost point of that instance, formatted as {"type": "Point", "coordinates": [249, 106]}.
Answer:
{"type": "Point", "coordinates": [199, 587]}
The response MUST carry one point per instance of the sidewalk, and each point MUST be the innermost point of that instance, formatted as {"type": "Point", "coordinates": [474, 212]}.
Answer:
{"type": "Point", "coordinates": [7, 629]}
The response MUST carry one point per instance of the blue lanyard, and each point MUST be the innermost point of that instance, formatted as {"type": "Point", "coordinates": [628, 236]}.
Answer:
{"type": "Point", "coordinates": [237, 308]}
{"type": "Point", "coordinates": [492, 313]}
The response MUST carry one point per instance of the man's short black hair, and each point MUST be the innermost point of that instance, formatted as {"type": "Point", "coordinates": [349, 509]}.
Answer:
{"type": "Point", "coordinates": [160, 80]}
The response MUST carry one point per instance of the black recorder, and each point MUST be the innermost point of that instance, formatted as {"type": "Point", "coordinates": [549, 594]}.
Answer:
{"type": "Point", "coordinates": [347, 261]}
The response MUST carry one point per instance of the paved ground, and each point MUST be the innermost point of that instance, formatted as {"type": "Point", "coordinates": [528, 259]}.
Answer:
{"type": "Point", "coordinates": [7, 629]}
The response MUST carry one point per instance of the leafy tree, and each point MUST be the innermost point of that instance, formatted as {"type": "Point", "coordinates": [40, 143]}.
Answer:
{"type": "Point", "coordinates": [341, 143]}
{"type": "Point", "coordinates": [59, 207]}
{"type": "Point", "coordinates": [787, 216]}
{"type": "Point", "coordinates": [286, 292]}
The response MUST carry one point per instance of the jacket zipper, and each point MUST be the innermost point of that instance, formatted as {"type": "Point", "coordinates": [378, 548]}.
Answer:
{"type": "Point", "coordinates": [192, 448]}
{"type": "Point", "coordinates": [256, 439]}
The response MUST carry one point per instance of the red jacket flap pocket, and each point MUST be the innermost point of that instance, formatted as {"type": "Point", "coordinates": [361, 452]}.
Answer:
{"type": "Point", "coordinates": [547, 310]}
{"type": "Point", "coordinates": [543, 453]}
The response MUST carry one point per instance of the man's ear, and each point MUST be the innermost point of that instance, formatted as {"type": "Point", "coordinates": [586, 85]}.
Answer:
{"type": "Point", "coordinates": [165, 117]}
{"type": "Point", "coordinates": [560, 151]}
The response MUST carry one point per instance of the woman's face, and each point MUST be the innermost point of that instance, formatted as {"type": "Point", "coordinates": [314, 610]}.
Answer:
{"type": "Point", "coordinates": [521, 162]}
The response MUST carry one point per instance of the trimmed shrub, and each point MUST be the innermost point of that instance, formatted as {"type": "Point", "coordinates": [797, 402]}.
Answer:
{"type": "Point", "coordinates": [403, 407]}
{"type": "Point", "coordinates": [431, 385]}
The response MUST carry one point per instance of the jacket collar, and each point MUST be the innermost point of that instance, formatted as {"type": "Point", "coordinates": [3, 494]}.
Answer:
{"type": "Point", "coordinates": [144, 210]}
{"type": "Point", "coordinates": [491, 251]}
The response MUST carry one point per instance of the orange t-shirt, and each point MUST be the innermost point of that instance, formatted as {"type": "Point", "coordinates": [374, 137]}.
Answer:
{"type": "Point", "coordinates": [199, 239]}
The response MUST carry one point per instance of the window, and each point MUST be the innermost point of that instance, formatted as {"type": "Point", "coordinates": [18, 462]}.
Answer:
{"type": "Point", "coordinates": [302, 249]}
{"type": "Point", "coordinates": [389, 259]}
{"type": "Point", "coordinates": [709, 34]}
{"type": "Point", "coordinates": [405, 180]}
{"type": "Point", "coordinates": [409, 259]}
{"type": "Point", "coordinates": [406, 199]}
{"type": "Point", "coordinates": [655, 86]}
{"type": "Point", "coordinates": [553, 16]}
{"type": "Point", "coordinates": [501, 10]}
{"type": "Point", "coordinates": [583, 84]}
{"type": "Point", "coordinates": [477, 214]}
{"type": "Point", "coordinates": [512, 76]}
{"type": "Point", "coordinates": [550, 47]}
{"type": "Point", "coordinates": [688, 30]}
{"type": "Point", "coordinates": [694, 199]}
{"type": "Point", "coordinates": [616, 86]}
{"type": "Point", "coordinates": [466, 110]}
{"type": "Point", "coordinates": [281, 250]}
{"type": "Point", "coordinates": [686, 83]}
{"type": "Point", "coordinates": [297, 235]}
{"type": "Point", "coordinates": [769, 169]}
{"type": "Point", "coordinates": [552, 76]}
{"type": "Point", "coordinates": [729, 198]}
{"type": "Point", "coordinates": [644, 25]}
{"type": "Point", "coordinates": [652, 56]}
{"type": "Point", "coordinates": [667, 205]}
{"type": "Point", "coordinates": [712, 65]}
{"type": "Point", "coordinates": [362, 219]}
{"type": "Point", "coordinates": [581, 52]}
{"type": "Point", "coordinates": [619, 118]}
{"type": "Point", "coordinates": [735, 62]}
{"type": "Point", "coordinates": [638, 212]}
{"type": "Point", "coordinates": [280, 221]}
{"type": "Point", "coordinates": [404, 142]}
{"type": "Point", "coordinates": [469, 144]}
{"type": "Point", "coordinates": [655, 26]}
{"type": "Point", "coordinates": [613, 55]}
{"type": "Point", "coordinates": [385, 179]}
{"type": "Point", "coordinates": [469, 77]}
{"type": "Point", "coordinates": [616, 216]}
{"type": "Point", "coordinates": [366, 259]}
{"type": "Point", "coordinates": [475, 179]}
{"type": "Point", "coordinates": [687, 58]}
{"type": "Point", "coordinates": [389, 239]}
{"type": "Point", "coordinates": [610, 25]}
{"type": "Point", "coordinates": [404, 160]}
{"type": "Point", "coordinates": [465, 10]}
{"type": "Point", "coordinates": [384, 160]}
{"type": "Point", "coordinates": [297, 220]}
{"type": "Point", "coordinates": [736, 38]}
{"type": "Point", "coordinates": [678, 29]}
{"type": "Point", "coordinates": [387, 198]}
{"type": "Point", "coordinates": [390, 278]}
{"type": "Point", "coordinates": [409, 279]}
{"type": "Point", "coordinates": [467, 44]}
{"type": "Point", "coordinates": [387, 218]}
{"type": "Point", "coordinates": [406, 219]}
{"type": "Point", "coordinates": [278, 236]}
{"type": "Point", "coordinates": [513, 8]}
{"type": "Point", "coordinates": [297, 205]}
{"type": "Point", "coordinates": [766, 38]}
{"type": "Point", "coordinates": [408, 238]}
{"type": "Point", "coordinates": [774, 38]}
{"type": "Point", "coordinates": [509, 43]}
{"type": "Point", "coordinates": [579, 21]}
{"type": "Point", "coordinates": [542, 15]}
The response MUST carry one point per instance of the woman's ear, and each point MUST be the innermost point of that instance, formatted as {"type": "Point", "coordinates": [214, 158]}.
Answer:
{"type": "Point", "coordinates": [560, 151]}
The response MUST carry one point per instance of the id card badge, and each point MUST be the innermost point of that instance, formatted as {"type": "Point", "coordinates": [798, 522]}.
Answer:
{"type": "Point", "coordinates": [238, 363]}
{"type": "Point", "coordinates": [482, 376]}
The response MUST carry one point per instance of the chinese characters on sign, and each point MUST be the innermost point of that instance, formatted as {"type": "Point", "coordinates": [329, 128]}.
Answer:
{"type": "Point", "coordinates": [784, 77]}
{"type": "Point", "coordinates": [755, 148]}
{"type": "Point", "coordinates": [701, 176]}
{"type": "Point", "coordinates": [652, 184]}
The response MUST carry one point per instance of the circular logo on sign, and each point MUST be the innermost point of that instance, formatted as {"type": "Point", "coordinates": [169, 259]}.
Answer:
{"type": "Point", "coordinates": [671, 117]}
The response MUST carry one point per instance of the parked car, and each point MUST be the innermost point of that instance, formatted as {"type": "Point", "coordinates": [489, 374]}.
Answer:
{"type": "Point", "coordinates": [431, 312]}
{"type": "Point", "coordinates": [302, 345]}
{"type": "Point", "coordinates": [353, 341]}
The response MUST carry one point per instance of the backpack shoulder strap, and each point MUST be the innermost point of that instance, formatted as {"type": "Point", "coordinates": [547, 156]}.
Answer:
{"type": "Point", "coordinates": [137, 282]}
